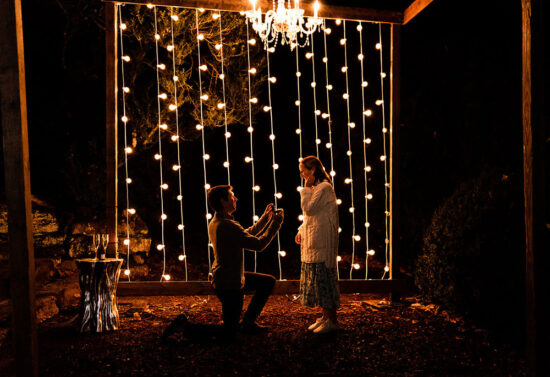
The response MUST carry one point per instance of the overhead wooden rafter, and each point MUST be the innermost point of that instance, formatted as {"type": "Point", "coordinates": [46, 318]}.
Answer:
{"type": "Point", "coordinates": [326, 11]}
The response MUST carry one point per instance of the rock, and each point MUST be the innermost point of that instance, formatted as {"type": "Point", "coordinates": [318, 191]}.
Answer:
{"type": "Point", "coordinates": [68, 297]}
{"type": "Point", "coordinates": [137, 316]}
{"type": "Point", "coordinates": [46, 308]}
{"type": "Point", "coordinates": [139, 271]}
{"type": "Point", "coordinates": [67, 268]}
{"type": "Point", "coordinates": [44, 270]}
{"type": "Point", "coordinates": [5, 312]}
{"type": "Point", "coordinates": [3, 336]}
{"type": "Point", "coordinates": [138, 259]}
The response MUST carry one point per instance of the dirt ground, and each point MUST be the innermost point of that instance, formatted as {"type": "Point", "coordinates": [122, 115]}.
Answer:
{"type": "Point", "coordinates": [377, 339]}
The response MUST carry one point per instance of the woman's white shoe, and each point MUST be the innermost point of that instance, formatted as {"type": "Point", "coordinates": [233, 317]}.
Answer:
{"type": "Point", "coordinates": [317, 323]}
{"type": "Point", "coordinates": [326, 326]}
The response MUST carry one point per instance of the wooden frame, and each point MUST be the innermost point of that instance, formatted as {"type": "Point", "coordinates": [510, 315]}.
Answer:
{"type": "Point", "coordinates": [203, 288]}
{"type": "Point", "coordinates": [111, 39]}
{"type": "Point", "coordinates": [13, 107]}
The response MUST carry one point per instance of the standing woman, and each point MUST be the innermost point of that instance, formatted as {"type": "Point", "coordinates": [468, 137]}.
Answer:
{"type": "Point", "coordinates": [318, 238]}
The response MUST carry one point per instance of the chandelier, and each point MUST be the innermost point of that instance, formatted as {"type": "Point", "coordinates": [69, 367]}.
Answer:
{"type": "Point", "coordinates": [288, 22]}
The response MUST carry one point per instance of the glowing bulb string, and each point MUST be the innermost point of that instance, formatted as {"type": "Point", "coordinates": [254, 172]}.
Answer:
{"type": "Point", "coordinates": [327, 115]}
{"type": "Point", "coordinates": [227, 134]}
{"type": "Point", "coordinates": [351, 125]}
{"type": "Point", "coordinates": [200, 127]}
{"type": "Point", "coordinates": [298, 104]}
{"type": "Point", "coordinates": [366, 167]}
{"type": "Point", "coordinates": [163, 186]}
{"type": "Point", "coordinates": [250, 159]}
{"type": "Point", "coordinates": [127, 149]}
{"type": "Point", "coordinates": [181, 226]}
{"type": "Point", "coordinates": [384, 158]}
{"type": "Point", "coordinates": [275, 166]}
{"type": "Point", "coordinates": [316, 112]}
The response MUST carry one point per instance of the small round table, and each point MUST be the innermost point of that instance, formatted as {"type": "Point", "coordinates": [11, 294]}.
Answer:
{"type": "Point", "coordinates": [98, 304]}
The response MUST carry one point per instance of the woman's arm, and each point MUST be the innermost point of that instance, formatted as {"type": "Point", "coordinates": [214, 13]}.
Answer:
{"type": "Point", "coordinates": [312, 199]}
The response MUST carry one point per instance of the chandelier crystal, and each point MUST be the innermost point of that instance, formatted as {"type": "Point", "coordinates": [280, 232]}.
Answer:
{"type": "Point", "coordinates": [284, 23]}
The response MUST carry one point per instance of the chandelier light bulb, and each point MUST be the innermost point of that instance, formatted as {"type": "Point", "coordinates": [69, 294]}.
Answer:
{"type": "Point", "coordinates": [222, 76]}
{"type": "Point", "coordinates": [371, 252]}
{"type": "Point", "coordinates": [357, 238]}
{"type": "Point", "coordinates": [344, 69]}
{"type": "Point", "coordinates": [298, 74]}
{"type": "Point", "coordinates": [364, 84]}
{"type": "Point", "coordinates": [338, 21]}
{"type": "Point", "coordinates": [384, 130]}
{"type": "Point", "coordinates": [348, 181]}
{"type": "Point", "coordinates": [172, 107]}
{"type": "Point", "coordinates": [200, 37]}
{"type": "Point", "coordinates": [166, 277]}
{"type": "Point", "coordinates": [328, 145]}
{"type": "Point", "coordinates": [267, 108]}
{"type": "Point", "coordinates": [255, 218]}
{"type": "Point", "coordinates": [275, 166]}
{"type": "Point", "coordinates": [227, 135]}
{"type": "Point", "coordinates": [163, 216]}
{"type": "Point", "coordinates": [386, 268]}
{"type": "Point", "coordinates": [127, 272]}
{"type": "Point", "coordinates": [329, 87]}
{"type": "Point", "coordinates": [176, 167]}
{"type": "Point", "coordinates": [313, 84]}
{"type": "Point", "coordinates": [273, 79]}
{"type": "Point", "coordinates": [368, 140]}
{"type": "Point", "coordinates": [360, 56]}
{"type": "Point", "coordinates": [351, 125]}
{"type": "Point", "coordinates": [382, 158]}
{"type": "Point", "coordinates": [343, 41]}
{"type": "Point", "coordinates": [123, 26]}
{"type": "Point", "coordinates": [325, 59]}
{"type": "Point", "coordinates": [150, 6]}
{"type": "Point", "coordinates": [299, 188]}
{"type": "Point", "coordinates": [175, 78]}
{"type": "Point", "coordinates": [369, 196]}
{"type": "Point", "coordinates": [345, 96]}
{"type": "Point", "coordinates": [209, 216]}
{"type": "Point", "coordinates": [207, 186]}
{"type": "Point", "coordinates": [359, 27]}
{"type": "Point", "coordinates": [325, 115]}
{"type": "Point", "coordinates": [383, 75]}
{"type": "Point", "coordinates": [252, 41]}
{"type": "Point", "coordinates": [379, 102]}
{"type": "Point", "coordinates": [203, 67]}
{"type": "Point", "coordinates": [309, 55]}
{"type": "Point", "coordinates": [317, 141]}
{"type": "Point", "coordinates": [157, 36]}
{"type": "Point", "coordinates": [301, 218]}
{"type": "Point", "coordinates": [351, 209]}
{"type": "Point", "coordinates": [271, 49]}
{"type": "Point", "coordinates": [160, 247]}
{"type": "Point", "coordinates": [297, 103]}
{"type": "Point", "coordinates": [215, 16]}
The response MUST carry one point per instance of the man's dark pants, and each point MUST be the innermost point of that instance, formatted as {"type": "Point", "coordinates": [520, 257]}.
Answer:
{"type": "Point", "coordinates": [232, 300]}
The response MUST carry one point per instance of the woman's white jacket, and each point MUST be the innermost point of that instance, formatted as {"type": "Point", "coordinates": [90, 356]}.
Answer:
{"type": "Point", "coordinates": [319, 231]}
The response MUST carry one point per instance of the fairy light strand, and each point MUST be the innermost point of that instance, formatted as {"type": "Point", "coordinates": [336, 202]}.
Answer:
{"type": "Point", "coordinates": [227, 135]}
{"type": "Point", "coordinates": [127, 149]}
{"type": "Point", "coordinates": [384, 156]}
{"type": "Point", "coordinates": [299, 104]}
{"type": "Point", "coordinates": [277, 195]}
{"type": "Point", "coordinates": [251, 138]}
{"type": "Point", "coordinates": [200, 127]}
{"type": "Point", "coordinates": [162, 246]}
{"type": "Point", "coordinates": [366, 167]}
{"type": "Point", "coordinates": [314, 87]}
{"type": "Point", "coordinates": [349, 180]}
{"type": "Point", "coordinates": [181, 226]}
{"type": "Point", "coordinates": [328, 115]}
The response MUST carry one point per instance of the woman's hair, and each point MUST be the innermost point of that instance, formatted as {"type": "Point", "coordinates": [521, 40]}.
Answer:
{"type": "Point", "coordinates": [216, 194]}
{"type": "Point", "coordinates": [320, 174]}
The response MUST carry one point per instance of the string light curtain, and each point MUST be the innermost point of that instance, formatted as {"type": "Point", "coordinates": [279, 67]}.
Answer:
{"type": "Point", "coordinates": [161, 126]}
{"type": "Point", "coordinates": [275, 166]}
{"type": "Point", "coordinates": [127, 149]}
{"type": "Point", "coordinates": [328, 89]}
{"type": "Point", "coordinates": [223, 105]}
{"type": "Point", "coordinates": [250, 129]}
{"type": "Point", "coordinates": [366, 141]}
{"type": "Point", "coordinates": [311, 55]}
{"type": "Point", "coordinates": [200, 127]}
{"type": "Point", "coordinates": [176, 137]}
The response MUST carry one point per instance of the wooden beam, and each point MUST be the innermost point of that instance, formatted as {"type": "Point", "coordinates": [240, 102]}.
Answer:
{"type": "Point", "coordinates": [13, 107]}
{"type": "Point", "coordinates": [536, 166]}
{"type": "Point", "coordinates": [414, 9]}
{"type": "Point", "coordinates": [326, 11]}
{"type": "Point", "coordinates": [394, 151]}
{"type": "Point", "coordinates": [111, 110]}
{"type": "Point", "coordinates": [203, 288]}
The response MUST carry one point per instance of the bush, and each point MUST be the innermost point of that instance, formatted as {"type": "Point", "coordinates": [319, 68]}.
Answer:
{"type": "Point", "coordinates": [473, 253]}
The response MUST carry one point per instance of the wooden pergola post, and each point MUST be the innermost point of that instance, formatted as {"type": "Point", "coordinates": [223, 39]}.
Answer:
{"type": "Point", "coordinates": [111, 113]}
{"type": "Point", "coordinates": [394, 149]}
{"type": "Point", "coordinates": [536, 154]}
{"type": "Point", "coordinates": [13, 107]}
